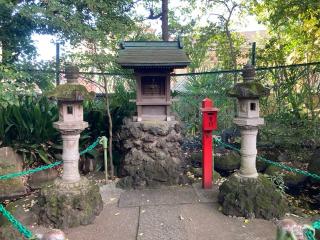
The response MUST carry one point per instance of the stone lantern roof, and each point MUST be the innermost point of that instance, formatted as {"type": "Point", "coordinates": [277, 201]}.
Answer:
{"type": "Point", "coordinates": [72, 91]}
{"type": "Point", "coordinates": [152, 54]}
{"type": "Point", "coordinates": [249, 88]}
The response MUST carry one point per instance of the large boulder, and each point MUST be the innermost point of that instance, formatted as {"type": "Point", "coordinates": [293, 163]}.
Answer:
{"type": "Point", "coordinates": [11, 162]}
{"type": "Point", "coordinates": [245, 197]}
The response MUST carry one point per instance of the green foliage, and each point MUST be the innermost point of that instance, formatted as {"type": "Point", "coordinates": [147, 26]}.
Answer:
{"type": "Point", "coordinates": [292, 109]}
{"type": "Point", "coordinates": [294, 27]}
{"type": "Point", "coordinates": [120, 107]}
{"type": "Point", "coordinates": [278, 181]}
{"type": "Point", "coordinates": [28, 128]}
{"type": "Point", "coordinates": [191, 91]}
{"type": "Point", "coordinates": [15, 31]}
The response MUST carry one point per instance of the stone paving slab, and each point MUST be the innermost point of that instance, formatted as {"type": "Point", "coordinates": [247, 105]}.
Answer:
{"type": "Point", "coordinates": [162, 222]}
{"type": "Point", "coordinates": [161, 196]}
{"type": "Point", "coordinates": [206, 222]}
{"type": "Point", "coordinates": [112, 223]}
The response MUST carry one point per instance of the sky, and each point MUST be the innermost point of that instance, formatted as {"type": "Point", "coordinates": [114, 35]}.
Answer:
{"type": "Point", "coordinates": [46, 49]}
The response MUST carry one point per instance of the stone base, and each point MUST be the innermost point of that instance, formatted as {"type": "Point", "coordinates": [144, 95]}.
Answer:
{"type": "Point", "coordinates": [65, 205]}
{"type": "Point", "coordinates": [153, 154]}
{"type": "Point", "coordinates": [246, 197]}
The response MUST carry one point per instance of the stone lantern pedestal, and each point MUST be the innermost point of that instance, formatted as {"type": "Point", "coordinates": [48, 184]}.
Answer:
{"type": "Point", "coordinates": [246, 193]}
{"type": "Point", "coordinates": [72, 200]}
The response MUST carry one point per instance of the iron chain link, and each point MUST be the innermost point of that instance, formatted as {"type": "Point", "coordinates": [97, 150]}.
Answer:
{"type": "Point", "coordinates": [279, 165]}
{"type": "Point", "coordinates": [18, 225]}
{"type": "Point", "coordinates": [34, 170]}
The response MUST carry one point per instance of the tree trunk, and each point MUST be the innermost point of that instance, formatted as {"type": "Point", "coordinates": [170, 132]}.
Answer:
{"type": "Point", "coordinates": [110, 127]}
{"type": "Point", "coordinates": [233, 57]}
{"type": "Point", "coordinates": [232, 51]}
{"type": "Point", "coordinates": [164, 19]}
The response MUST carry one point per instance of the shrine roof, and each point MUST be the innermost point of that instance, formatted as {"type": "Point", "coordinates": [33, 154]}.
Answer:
{"type": "Point", "coordinates": [162, 54]}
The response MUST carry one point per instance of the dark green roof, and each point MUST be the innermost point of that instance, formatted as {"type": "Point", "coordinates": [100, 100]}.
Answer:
{"type": "Point", "coordinates": [152, 54]}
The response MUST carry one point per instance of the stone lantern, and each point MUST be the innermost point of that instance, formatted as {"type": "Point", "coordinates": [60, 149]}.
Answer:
{"type": "Point", "coordinates": [246, 193]}
{"type": "Point", "coordinates": [248, 93]}
{"type": "Point", "coordinates": [76, 200]}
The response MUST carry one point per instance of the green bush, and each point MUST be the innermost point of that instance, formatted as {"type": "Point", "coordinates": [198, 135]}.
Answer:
{"type": "Point", "coordinates": [192, 90]}
{"type": "Point", "coordinates": [27, 127]}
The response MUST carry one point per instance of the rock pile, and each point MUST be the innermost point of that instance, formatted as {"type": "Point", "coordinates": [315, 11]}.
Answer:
{"type": "Point", "coordinates": [153, 154]}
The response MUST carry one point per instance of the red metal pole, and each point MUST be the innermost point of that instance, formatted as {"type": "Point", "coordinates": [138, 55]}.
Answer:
{"type": "Point", "coordinates": [207, 159]}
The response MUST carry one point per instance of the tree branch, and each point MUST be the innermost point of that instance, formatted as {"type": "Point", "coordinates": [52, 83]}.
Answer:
{"type": "Point", "coordinates": [153, 16]}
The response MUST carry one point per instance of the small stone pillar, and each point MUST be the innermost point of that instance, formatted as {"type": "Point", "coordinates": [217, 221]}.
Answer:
{"type": "Point", "coordinates": [246, 193]}
{"type": "Point", "coordinates": [72, 200]}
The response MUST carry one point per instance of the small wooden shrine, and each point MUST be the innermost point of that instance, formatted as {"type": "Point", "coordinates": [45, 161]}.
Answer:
{"type": "Point", "coordinates": [153, 62]}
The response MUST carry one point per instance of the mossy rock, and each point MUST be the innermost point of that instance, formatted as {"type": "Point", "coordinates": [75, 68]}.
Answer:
{"type": "Point", "coordinates": [227, 162]}
{"type": "Point", "coordinates": [272, 170]}
{"type": "Point", "coordinates": [249, 89]}
{"type": "Point", "coordinates": [197, 172]}
{"type": "Point", "coordinates": [252, 198]}
{"type": "Point", "coordinates": [314, 163]}
{"type": "Point", "coordinates": [70, 92]}
{"type": "Point", "coordinates": [66, 205]}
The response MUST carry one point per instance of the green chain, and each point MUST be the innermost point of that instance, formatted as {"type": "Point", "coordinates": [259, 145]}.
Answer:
{"type": "Point", "coordinates": [92, 146]}
{"type": "Point", "coordinates": [279, 165]}
{"type": "Point", "coordinates": [18, 225]}
{"type": "Point", "coordinates": [19, 174]}
{"type": "Point", "coordinates": [310, 232]}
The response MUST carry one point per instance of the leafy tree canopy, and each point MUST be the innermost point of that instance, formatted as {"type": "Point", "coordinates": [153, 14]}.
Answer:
{"type": "Point", "coordinates": [294, 27]}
